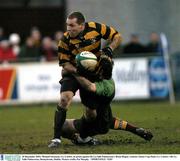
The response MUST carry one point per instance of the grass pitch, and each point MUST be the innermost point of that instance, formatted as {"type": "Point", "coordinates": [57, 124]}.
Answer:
{"type": "Point", "coordinates": [25, 130]}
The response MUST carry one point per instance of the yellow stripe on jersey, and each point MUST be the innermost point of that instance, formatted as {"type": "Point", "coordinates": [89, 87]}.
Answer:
{"type": "Point", "coordinates": [63, 56]}
{"type": "Point", "coordinates": [92, 24]}
{"type": "Point", "coordinates": [63, 45]}
{"type": "Point", "coordinates": [91, 35]}
{"type": "Point", "coordinates": [87, 48]}
{"type": "Point", "coordinates": [74, 41]}
{"type": "Point", "coordinates": [103, 29]}
{"type": "Point", "coordinates": [112, 32]}
{"type": "Point", "coordinates": [90, 47]}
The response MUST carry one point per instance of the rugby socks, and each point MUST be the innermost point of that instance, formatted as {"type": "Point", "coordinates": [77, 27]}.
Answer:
{"type": "Point", "coordinates": [123, 125]}
{"type": "Point", "coordinates": [117, 124]}
{"type": "Point", "coordinates": [59, 119]}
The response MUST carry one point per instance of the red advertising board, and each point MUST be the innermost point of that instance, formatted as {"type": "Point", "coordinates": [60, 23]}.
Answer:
{"type": "Point", "coordinates": [7, 83]}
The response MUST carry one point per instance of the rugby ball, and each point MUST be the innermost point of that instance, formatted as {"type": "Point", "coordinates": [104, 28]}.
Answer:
{"type": "Point", "coordinates": [86, 60]}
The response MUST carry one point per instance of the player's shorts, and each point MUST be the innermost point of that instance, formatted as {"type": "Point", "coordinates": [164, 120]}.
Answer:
{"type": "Point", "coordinates": [69, 83]}
{"type": "Point", "coordinates": [89, 99]}
{"type": "Point", "coordinates": [92, 100]}
{"type": "Point", "coordinates": [100, 126]}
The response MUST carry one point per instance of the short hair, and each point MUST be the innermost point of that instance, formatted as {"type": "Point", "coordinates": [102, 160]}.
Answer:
{"type": "Point", "coordinates": [105, 68]}
{"type": "Point", "coordinates": [80, 17]}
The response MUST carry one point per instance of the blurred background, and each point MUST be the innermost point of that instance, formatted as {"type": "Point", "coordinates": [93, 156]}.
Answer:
{"type": "Point", "coordinates": [30, 31]}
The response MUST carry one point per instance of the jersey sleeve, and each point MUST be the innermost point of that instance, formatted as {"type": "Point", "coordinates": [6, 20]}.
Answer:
{"type": "Point", "coordinates": [105, 88]}
{"type": "Point", "coordinates": [107, 32]}
{"type": "Point", "coordinates": [64, 53]}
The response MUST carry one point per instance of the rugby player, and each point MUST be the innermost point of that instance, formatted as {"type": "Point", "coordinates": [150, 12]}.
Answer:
{"type": "Point", "coordinates": [100, 93]}
{"type": "Point", "coordinates": [80, 36]}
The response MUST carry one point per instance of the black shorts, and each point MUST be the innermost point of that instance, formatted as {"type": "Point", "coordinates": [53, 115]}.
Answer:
{"type": "Point", "coordinates": [92, 100]}
{"type": "Point", "coordinates": [89, 99]}
{"type": "Point", "coordinates": [69, 84]}
{"type": "Point", "coordinates": [100, 126]}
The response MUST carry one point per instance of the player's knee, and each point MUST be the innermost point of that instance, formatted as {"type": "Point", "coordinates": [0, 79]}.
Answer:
{"type": "Point", "coordinates": [91, 114]}
{"type": "Point", "coordinates": [65, 101]}
{"type": "Point", "coordinates": [90, 117]}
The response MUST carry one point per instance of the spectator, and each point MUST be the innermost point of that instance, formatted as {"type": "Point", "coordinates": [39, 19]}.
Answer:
{"type": "Point", "coordinates": [134, 46]}
{"type": "Point", "coordinates": [29, 51]}
{"type": "Point", "coordinates": [47, 50]}
{"type": "Point", "coordinates": [57, 37]}
{"type": "Point", "coordinates": [14, 40]}
{"type": "Point", "coordinates": [36, 36]}
{"type": "Point", "coordinates": [6, 52]}
{"type": "Point", "coordinates": [153, 45]}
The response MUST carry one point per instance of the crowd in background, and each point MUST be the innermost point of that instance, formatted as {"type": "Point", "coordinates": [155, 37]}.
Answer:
{"type": "Point", "coordinates": [34, 48]}
{"type": "Point", "coordinates": [44, 48]}
{"type": "Point", "coordinates": [135, 47]}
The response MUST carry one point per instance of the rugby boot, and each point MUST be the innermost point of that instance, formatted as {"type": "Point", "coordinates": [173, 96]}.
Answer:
{"type": "Point", "coordinates": [54, 143]}
{"type": "Point", "coordinates": [85, 141]}
{"type": "Point", "coordinates": [147, 135]}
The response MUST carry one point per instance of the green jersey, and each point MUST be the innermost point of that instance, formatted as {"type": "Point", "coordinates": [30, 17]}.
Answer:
{"type": "Point", "coordinates": [105, 87]}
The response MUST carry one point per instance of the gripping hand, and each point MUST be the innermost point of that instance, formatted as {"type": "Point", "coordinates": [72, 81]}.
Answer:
{"type": "Point", "coordinates": [108, 51]}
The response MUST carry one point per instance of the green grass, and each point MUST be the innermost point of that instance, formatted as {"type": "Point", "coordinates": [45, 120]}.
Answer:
{"type": "Point", "coordinates": [25, 130]}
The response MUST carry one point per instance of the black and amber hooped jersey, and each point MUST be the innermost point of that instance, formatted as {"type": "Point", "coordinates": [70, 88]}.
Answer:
{"type": "Point", "coordinates": [88, 40]}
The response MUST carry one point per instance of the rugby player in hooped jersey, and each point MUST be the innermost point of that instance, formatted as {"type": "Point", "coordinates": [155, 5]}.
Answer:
{"type": "Point", "coordinates": [97, 97]}
{"type": "Point", "coordinates": [80, 36]}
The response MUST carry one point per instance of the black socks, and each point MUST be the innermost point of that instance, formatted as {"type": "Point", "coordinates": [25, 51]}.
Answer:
{"type": "Point", "coordinates": [59, 119]}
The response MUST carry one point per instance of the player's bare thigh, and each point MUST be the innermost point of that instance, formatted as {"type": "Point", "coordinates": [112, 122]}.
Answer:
{"type": "Point", "coordinates": [90, 114]}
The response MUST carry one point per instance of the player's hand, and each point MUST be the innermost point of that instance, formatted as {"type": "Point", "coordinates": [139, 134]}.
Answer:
{"type": "Point", "coordinates": [108, 51]}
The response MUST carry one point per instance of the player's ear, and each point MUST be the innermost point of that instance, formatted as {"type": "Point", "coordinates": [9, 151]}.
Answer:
{"type": "Point", "coordinates": [82, 25]}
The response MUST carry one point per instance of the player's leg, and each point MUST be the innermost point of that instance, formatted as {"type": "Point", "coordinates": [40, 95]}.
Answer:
{"type": "Point", "coordinates": [89, 100]}
{"type": "Point", "coordinates": [90, 114]}
{"type": "Point", "coordinates": [87, 128]}
{"type": "Point", "coordinates": [85, 132]}
{"type": "Point", "coordinates": [118, 124]}
{"type": "Point", "coordinates": [86, 124]}
{"type": "Point", "coordinates": [60, 113]}
{"type": "Point", "coordinates": [60, 117]}
{"type": "Point", "coordinates": [68, 88]}
{"type": "Point", "coordinates": [68, 129]}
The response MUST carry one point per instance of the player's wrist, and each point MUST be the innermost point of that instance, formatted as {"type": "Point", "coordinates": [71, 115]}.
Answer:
{"type": "Point", "coordinates": [108, 51]}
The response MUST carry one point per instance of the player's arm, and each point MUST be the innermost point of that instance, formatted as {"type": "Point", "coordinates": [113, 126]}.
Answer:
{"type": "Point", "coordinates": [112, 35]}
{"type": "Point", "coordinates": [102, 88]}
{"type": "Point", "coordinates": [85, 83]}
{"type": "Point", "coordinates": [69, 68]}
{"type": "Point", "coordinates": [115, 42]}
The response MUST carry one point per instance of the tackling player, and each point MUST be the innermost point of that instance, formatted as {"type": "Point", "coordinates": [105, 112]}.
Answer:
{"type": "Point", "coordinates": [80, 36]}
{"type": "Point", "coordinates": [101, 93]}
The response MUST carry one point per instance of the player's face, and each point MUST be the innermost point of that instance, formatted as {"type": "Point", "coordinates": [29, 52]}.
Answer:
{"type": "Point", "coordinates": [73, 28]}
